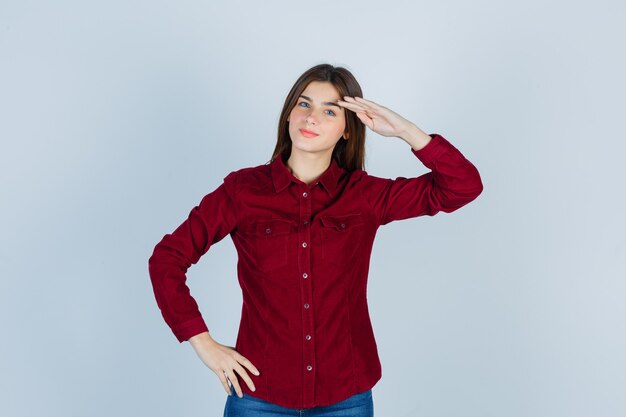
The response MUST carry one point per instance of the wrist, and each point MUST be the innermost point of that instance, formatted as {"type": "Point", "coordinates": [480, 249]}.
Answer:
{"type": "Point", "coordinates": [415, 137]}
{"type": "Point", "coordinates": [200, 338]}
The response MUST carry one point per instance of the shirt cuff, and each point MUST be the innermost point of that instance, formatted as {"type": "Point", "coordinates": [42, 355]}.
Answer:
{"type": "Point", "coordinates": [190, 328]}
{"type": "Point", "coordinates": [433, 149]}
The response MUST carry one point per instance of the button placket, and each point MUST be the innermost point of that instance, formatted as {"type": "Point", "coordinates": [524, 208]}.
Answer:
{"type": "Point", "coordinates": [306, 292]}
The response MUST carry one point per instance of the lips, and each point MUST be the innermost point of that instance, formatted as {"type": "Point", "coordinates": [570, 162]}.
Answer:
{"type": "Point", "coordinates": [308, 133]}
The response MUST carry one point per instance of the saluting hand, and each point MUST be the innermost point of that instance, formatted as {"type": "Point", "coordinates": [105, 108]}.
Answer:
{"type": "Point", "coordinates": [385, 121]}
{"type": "Point", "coordinates": [379, 118]}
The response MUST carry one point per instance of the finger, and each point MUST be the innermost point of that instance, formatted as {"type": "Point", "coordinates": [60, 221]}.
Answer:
{"type": "Point", "coordinates": [352, 101]}
{"type": "Point", "coordinates": [377, 110]}
{"type": "Point", "coordinates": [245, 376]}
{"type": "Point", "coordinates": [351, 106]}
{"type": "Point", "coordinates": [367, 109]}
{"type": "Point", "coordinates": [368, 102]}
{"type": "Point", "coordinates": [360, 101]}
{"type": "Point", "coordinates": [245, 362]}
{"type": "Point", "coordinates": [362, 115]}
{"type": "Point", "coordinates": [366, 120]}
{"type": "Point", "coordinates": [234, 382]}
{"type": "Point", "coordinates": [222, 378]}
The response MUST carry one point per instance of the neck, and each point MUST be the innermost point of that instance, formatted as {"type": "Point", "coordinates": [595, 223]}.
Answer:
{"type": "Point", "coordinates": [308, 167]}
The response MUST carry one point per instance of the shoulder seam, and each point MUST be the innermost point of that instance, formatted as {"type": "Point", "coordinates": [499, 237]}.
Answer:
{"type": "Point", "coordinates": [362, 175]}
{"type": "Point", "coordinates": [233, 178]}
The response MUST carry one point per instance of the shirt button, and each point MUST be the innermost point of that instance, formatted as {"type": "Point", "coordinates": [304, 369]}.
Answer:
{"type": "Point", "coordinates": [308, 368]}
{"type": "Point", "coordinates": [304, 194]}
{"type": "Point", "coordinates": [305, 275]}
{"type": "Point", "coordinates": [268, 230]}
{"type": "Point", "coordinates": [306, 305]}
{"type": "Point", "coordinates": [304, 244]}
{"type": "Point", "coordinates": [308, 337]}
{"type": "Point", "coordinates": [305, 222]}
{"type": "Point", "coordinates": [343, 225]}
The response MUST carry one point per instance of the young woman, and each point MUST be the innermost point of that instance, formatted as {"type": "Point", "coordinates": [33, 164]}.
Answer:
{"type": "Point", "coordinates": [303, 225]}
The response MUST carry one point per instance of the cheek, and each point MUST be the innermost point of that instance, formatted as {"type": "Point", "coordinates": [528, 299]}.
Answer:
{"type": "Point", "coordinates": [340, 126]}
{"type": "Point", "coordinates": [296, 114]}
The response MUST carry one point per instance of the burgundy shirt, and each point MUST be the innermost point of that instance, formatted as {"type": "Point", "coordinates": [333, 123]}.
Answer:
{"type": "Point", "coordinates": [304, 253]}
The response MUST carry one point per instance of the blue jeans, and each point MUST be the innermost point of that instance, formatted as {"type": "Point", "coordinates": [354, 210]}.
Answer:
{"type": "Point", "coordinates": [358, 405]}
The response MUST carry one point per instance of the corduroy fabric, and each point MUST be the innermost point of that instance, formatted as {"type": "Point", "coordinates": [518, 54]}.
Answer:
{"type": "Point", "coordinates": [304, 253]}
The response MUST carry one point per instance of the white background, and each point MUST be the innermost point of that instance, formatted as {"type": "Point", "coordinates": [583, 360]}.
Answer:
{"type": "Point", "coordinates": [117, 117]}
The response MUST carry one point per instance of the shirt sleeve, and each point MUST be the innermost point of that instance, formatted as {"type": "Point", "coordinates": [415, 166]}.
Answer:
{"type": "Point", "coordinates": [452, 183]}
{"type": "Point", "coordinates": [208, 222]}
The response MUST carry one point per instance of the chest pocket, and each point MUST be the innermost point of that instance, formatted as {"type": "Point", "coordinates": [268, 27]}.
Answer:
{"type": "Point", "coordinates": [341, 235]}
{"type": "Point", "coordinates": [271, 242]}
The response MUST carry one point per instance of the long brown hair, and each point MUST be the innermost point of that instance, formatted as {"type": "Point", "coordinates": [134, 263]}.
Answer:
{"type": "Point", "coordinates": [350, 153]}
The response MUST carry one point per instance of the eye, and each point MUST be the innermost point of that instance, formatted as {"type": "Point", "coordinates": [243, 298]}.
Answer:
{"type": "Point", "coordinates": [306, 104]}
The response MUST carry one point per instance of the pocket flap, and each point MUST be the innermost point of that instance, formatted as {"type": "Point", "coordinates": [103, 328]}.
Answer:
{"type": "Point", "coordinates": [273, 227]}
{"type": "Point", "coordinates": [343, 221]}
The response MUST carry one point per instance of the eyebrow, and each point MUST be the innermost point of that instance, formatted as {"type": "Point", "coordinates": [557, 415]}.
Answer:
{"type": "Point", "coordinates": [329, 103]}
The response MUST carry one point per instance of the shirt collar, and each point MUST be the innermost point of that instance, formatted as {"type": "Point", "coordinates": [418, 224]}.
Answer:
{"type": "Point", "coordinates": [282, 176]}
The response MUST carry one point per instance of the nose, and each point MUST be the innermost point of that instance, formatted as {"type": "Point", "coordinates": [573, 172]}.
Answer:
{"type": "Point", "coordinates": [309, 119]}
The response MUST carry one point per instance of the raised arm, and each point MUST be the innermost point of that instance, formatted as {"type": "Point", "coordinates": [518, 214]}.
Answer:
{"type": "Point", "coordinates": [453, 181]}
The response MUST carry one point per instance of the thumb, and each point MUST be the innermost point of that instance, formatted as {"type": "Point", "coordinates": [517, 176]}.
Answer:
{"type": "Point", "coordinates": [365, 119]}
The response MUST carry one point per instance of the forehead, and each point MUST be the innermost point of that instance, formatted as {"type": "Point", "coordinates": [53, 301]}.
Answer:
{"type": "Point", "coordinates": [321, 91]}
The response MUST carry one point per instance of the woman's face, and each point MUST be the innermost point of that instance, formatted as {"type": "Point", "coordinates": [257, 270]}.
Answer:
{"type": "Point", "coordinates": [317, 111]}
